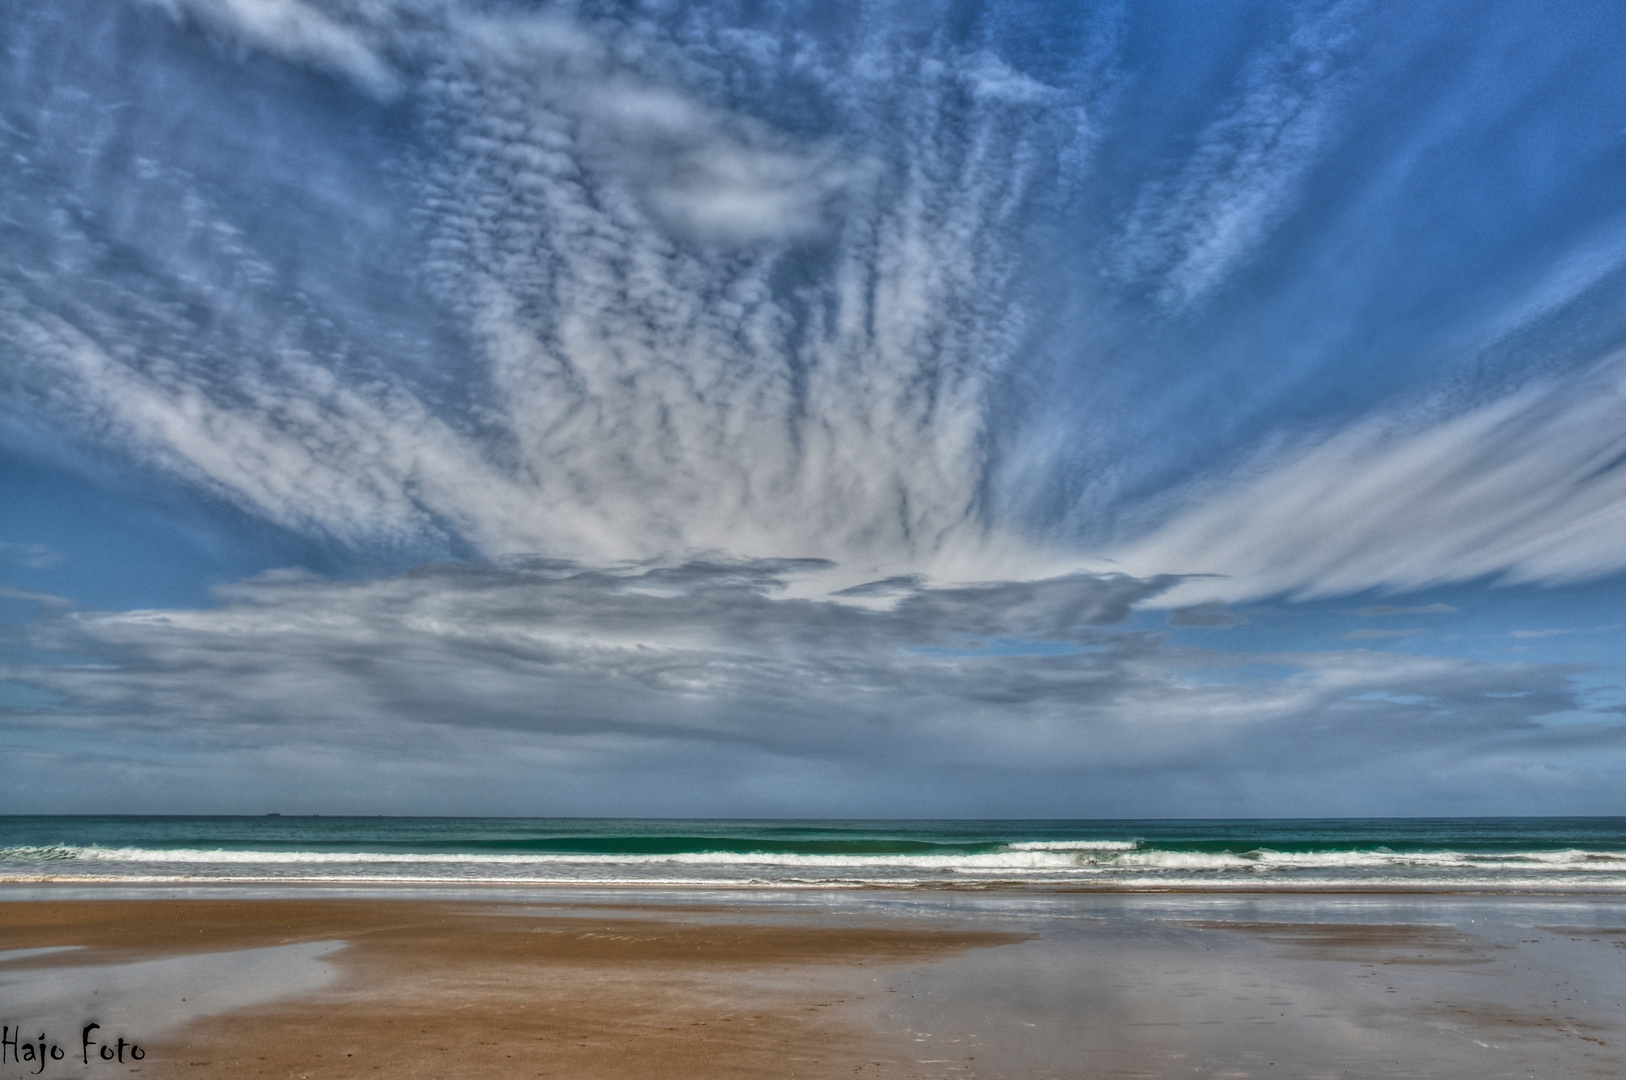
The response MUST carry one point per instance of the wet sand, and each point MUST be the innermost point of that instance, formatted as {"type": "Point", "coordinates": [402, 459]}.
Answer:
{"type": "Point", "coordinates": [1282, 987]}
{"type": "Point", "coordinates": [491, 990]}
{"type": "Point", "coordinates": [1017, 986]}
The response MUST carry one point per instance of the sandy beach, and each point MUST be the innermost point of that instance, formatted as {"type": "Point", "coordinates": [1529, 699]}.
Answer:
{"type": "Point", "coordinates": [457, 989]}
{"type": "Point", "coordinates": [1018, 986]}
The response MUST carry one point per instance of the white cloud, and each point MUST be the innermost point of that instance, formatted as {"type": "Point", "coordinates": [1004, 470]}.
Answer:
{"type": "Point", "coordinates": [706, 173]}
{"type": "Point", "coordinates": [696, 330]}
{"type": "Point", "coordinates": [296, 31]}
{"type": "Point", "coordinates": [691, 330]}
{"type": "Point", "coordinates": [302, 449]}
{"type": "Point", "coordinates": [1526, 489]}
{"type": "Point", "coordinates": [990, 77]}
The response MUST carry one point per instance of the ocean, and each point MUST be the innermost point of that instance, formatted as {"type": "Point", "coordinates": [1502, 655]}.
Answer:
{"type": "Point", "coordinates": [1516, 854]}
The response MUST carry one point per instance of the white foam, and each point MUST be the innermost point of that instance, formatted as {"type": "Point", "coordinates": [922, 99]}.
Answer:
{"type": "Point", "coordinates": [1074, 845]}
{"type": "Point", "coordinates": [1107, 862]}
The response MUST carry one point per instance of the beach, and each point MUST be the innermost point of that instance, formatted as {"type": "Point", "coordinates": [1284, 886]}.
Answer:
{"type": "Point", "coordinates": [493, 989]}
{"type": "Point", "coordinates": [753, 540]}
{"type": "Point", "coordinates": [735, 539]}
{"type": "Point", "coordinates": [320, 982]}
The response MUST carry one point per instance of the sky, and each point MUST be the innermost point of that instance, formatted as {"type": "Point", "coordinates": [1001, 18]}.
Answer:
{"type": "Point", "coordinates": [861, 409]}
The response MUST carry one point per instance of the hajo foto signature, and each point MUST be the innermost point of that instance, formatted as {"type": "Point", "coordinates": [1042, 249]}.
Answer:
{"type": "Point", "coordinates": [38, 1052]}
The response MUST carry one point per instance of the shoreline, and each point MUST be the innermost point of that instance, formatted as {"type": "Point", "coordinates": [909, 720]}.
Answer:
{"type": "Point", "coordinates": [274, 885]}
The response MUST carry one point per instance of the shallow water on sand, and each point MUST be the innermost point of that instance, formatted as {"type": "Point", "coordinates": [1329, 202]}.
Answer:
{"type": "Point", "coordinates": [145, 1000]}
{"type": "Point", "coordinates": [1311, 988]}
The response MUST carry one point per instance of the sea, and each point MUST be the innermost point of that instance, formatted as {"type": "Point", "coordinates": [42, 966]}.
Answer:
{"type": "Point", "coordinates": [1379, 854]}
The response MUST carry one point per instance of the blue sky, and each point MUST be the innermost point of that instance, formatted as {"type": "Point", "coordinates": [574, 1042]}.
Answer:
{"type": "Point", "coordinates": [950, 409]}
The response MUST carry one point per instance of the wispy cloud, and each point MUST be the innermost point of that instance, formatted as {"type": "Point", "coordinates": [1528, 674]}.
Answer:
{"type": "Point", "coordinates": [1244, 177]}
{"type": "Point", "coordinates": [31, 556]}
{"type": "Point", "coordinates": [1378, 610]}
{"type": "Point", "coordinates": [1379, 635]}
{"type": "Point", "coordinates": [1528, 488]}
{"type": "Point", "coordinates": [301, 32]}
{"type": "Point", "coordinates": [1578, 272]}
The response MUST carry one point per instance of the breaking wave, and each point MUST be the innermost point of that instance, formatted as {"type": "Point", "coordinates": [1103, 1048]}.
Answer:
{"type": "Point", "coordinates": [1106, 863]}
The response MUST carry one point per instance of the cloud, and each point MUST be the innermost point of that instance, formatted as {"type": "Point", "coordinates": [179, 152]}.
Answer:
{"type": "Point", "coordinates": [1390, 609]}
{"type": "Point", "coordinates": [296, 31]}
{"type": "Point", "coordinates": [1528, 488]}
{"type": "Point", "coordinates": [40, 601]}
{"type": "Point", "coordinates": [1244, 176]}
{"type": "Point", "coordinates": [611, 290]}
{"type": "Point", "coordinates": [31, 556]}
{"type": "Point", "coordinates": [1205, 615]}
{"type": "Point", "coordinates": [300, 448]}
{"type": "Point", "coordinates": [1538, 633]}
{"type": "Point", "coordinates": [616, 313]}
{"type": "Point", "coordinates": [613, 689]}
{"type": "Point", "coordinates": [707, 173]}
{"type": "Point", "coordinates": [1379, 635]}
{"type": "Point", "coordinates": [1572, 277]}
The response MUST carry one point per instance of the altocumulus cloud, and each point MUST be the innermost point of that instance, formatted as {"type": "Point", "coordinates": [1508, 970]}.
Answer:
{"type": "Point", "coordinates": [708, 688]}
{"type": "Point", "coordinates": [642, 286]}
{"type": "Point", "coordinates": [684, 325]}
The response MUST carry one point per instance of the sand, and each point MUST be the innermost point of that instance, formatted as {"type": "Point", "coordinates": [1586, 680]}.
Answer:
{"type": "Point", "coordinates": [1313, 989]}
{"type": "Point", "coordinates": [1021, 987]}
{"type": "Point", "coordinates": [496, 990]}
